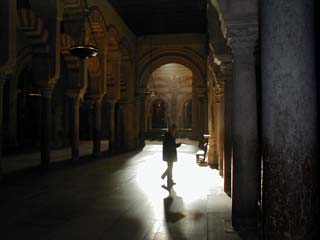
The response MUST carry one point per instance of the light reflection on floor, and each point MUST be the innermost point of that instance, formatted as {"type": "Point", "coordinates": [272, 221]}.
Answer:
{"type": "Point", "coordinates": [193, 181]}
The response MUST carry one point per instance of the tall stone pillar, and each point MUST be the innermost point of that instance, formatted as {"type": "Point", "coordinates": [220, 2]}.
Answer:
{"type": "Point", "coordinates": [205, 115]}
{"type": "Point", "coordinates": [220, 126]}
{"type": "Point", "coordinates": [244, 128]}
{"type": "Point", "coordinates": [226, 70]}
{"type": "Point", "coordinates": [97, 100]}
{"type": "Point", "coordinates": [112, 130]}
{"type": "Point", "coordinates": [104, 118]}
{"type": "Point", "coordinates": [214, 140]}
{"type": "Point", "coordinates": [142, 120]}
{"type": "Point", "coordinates": [74, 99]}
{"type": "Point", "coordinates": [45, 126]}
{"type": "Point", "coordinates": [195, 113]}
{"type": "Point", "coordinates": [289, 121]}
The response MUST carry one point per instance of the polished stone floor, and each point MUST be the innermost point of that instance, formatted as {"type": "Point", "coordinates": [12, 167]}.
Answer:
{"type": "Point", "coordinates": [117, 197]}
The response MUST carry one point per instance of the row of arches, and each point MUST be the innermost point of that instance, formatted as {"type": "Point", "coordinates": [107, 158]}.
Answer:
{"type": "Point", "coordinates": [78, 92]}
{"type": "Point", "coordinates": [55, 100]}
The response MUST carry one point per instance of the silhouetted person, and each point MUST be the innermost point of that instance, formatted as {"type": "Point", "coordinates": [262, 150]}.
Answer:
{"type": "Point", "coordinates": [169, 153]}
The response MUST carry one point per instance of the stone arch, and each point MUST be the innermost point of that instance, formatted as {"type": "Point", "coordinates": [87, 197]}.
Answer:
{"type": "Point", "coordinates": [184, 100]}
{"type": "Point", "coordinates": [97, 66]}
{"type": "Point", "coordinates": [155, 59]}
{"type": "Point", "coordinates": [190, 59]}
{"type": "Point", "coordinates": [37, 36]}
{"type": "Point", "coordinates": [126, 71]}
{"type": "Point", "coordinates": [113, 63]}
{"type": "Point", "coordinates": [100, 29]}
{"type": "Point", "coordinates": [33, 28]}
{"type": "Point", "coordinates": [149, 107]}
{"type": "Point", "coordinates": [151, 100]}
{"type": "Point", "coordinates": [114, 37]}
{"type": "Point", "coordinates": [24, 57]}
{"type": "Point", "coordinates": [126, 49]}
{"type": "Point", "coordinates": [72, 62]}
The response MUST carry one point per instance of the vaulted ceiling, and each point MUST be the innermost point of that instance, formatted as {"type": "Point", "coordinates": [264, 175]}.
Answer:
{"type": "Point", "coordinates": [163, 16]}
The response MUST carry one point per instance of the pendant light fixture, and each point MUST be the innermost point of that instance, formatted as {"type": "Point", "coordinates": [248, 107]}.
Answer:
{"type": "Point", "coordinates": [34, 92]}
{"type": "Point", "coordinates": [83, 50]}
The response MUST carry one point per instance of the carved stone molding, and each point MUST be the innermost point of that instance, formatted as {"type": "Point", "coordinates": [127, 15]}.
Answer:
{"type": "Point", "coordinates": [243, 38]}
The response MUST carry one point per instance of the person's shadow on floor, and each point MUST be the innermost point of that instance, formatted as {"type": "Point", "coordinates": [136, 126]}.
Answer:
{"type": "Point", "coordinates": [170, 214]}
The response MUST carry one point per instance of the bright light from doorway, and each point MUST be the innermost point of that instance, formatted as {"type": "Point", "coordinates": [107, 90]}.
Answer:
{"type": "Point", "coordinates": [193, 181]}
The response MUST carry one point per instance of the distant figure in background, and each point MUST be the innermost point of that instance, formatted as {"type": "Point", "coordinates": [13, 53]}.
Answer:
{"type": "Point", "coordinates": [169, 153]}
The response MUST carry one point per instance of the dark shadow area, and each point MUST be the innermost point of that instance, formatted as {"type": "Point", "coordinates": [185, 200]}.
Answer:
{"type": "Point", "coordinates": [60, 166]}
{"type": "Point", "coordinates": [171, 216]}
{"type": "Point", "coordinates": [317, 69]}
{"type": "Point", "coordinates": [172, 206]}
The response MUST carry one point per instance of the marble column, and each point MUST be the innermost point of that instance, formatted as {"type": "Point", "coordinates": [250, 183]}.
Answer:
{"type": "Point", "coordinates": [45, 126]}
{"type": "Point", "coordinates": [142, 121]}
{"type": "Point", "coordinates": [289, 121]}
{"type": "Point", "coordinates": [104, 118]}
{"type": "Point", "coordinates": [226, 70]}
{"type": "Point", "coordinates": [97, 100]}
{"type": "Point", "coordinates": [112, 105]}
{"type": "Point", "coordinates": [74, 101]}
{"type": "Point", "coordinates": [244, 128]}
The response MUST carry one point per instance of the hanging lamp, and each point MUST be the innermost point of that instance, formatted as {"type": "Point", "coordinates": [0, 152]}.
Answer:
{"type": "Point", "coordinates": [33, 91]}
{"type": "Point", "coordinates": [83, 50]}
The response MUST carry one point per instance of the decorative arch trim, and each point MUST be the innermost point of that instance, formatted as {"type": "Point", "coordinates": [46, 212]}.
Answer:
{"type": "Point", "coordinates": [171, 57]}
{"type": "Point", "coordinates": [33, 28]}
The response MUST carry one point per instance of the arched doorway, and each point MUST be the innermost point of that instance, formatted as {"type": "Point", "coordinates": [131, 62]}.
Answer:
{"type": "Point", "coordinates": [158, 114]}
{"type": "Point", "coordinates": [156, 58]}
{"type": "Point", "coordinates": [172, 84]}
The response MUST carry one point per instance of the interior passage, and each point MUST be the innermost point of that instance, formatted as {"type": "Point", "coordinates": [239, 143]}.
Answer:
{"type": "Point", "coordinates": [118, 197]}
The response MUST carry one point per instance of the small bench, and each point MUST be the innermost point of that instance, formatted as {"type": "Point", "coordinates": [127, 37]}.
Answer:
{"type": "Point", "coordinates": [201, 154]}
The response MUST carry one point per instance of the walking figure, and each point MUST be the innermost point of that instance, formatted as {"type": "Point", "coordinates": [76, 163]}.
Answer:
{"type": "Point", "coordinates": [169, 153]}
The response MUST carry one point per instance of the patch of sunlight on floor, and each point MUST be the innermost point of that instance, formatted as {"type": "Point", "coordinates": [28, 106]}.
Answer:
{"type": "Point", "coordinates": [193, 182]}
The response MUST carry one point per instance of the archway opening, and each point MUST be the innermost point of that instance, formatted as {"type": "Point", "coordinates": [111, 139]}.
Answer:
{"type": "Point", "coordinates": [172, 83]}
{"type": "Point", "coordinates": [158, 114]}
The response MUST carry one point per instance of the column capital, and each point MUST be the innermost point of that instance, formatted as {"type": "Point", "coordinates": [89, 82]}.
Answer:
{"type": "Point", "coordinates": [243, 38]}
